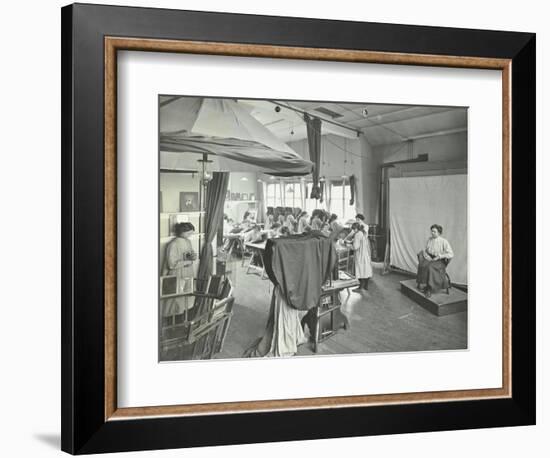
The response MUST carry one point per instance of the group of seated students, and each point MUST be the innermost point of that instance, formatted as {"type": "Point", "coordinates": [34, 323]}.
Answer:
{"type": "Point", "coordinates": [299, 222]}
{"type": "Point", "coordinates": [282, 222]}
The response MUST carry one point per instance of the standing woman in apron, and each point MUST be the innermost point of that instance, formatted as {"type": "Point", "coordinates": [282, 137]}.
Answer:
{"type": "Point", "coordinates": [179, 261]}
{"type": "Point", "coordinates": [363, 267]}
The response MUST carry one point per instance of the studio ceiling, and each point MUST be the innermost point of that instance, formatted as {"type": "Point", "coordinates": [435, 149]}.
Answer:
{"type": "Point", "coordinates": [381, 124]}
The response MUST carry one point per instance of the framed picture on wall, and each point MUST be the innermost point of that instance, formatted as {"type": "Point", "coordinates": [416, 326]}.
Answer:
{"type": "Point", "coordinates": [189, 201]}
{"type": "Point", "coordinates": [472, 81]}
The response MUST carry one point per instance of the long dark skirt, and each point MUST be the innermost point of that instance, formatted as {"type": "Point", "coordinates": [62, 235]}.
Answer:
{"type": "Point", "coordinates": [432, 273]}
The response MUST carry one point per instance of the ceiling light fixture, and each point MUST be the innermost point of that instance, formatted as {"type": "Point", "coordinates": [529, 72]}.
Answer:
{"type": "Point", "coordinates": [206, 176]}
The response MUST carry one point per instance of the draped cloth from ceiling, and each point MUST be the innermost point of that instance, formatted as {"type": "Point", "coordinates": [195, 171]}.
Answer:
{"type": "Point", "coordinates": [352, 190]}
{"type": "Point", "coordinates": [251, 153]}
{"type": "Point", "coordinates": [215, 199]}
{"type": "Point", "coordinates": [225, 129]}
{"type": "Point", "coordinates": [313, 127]}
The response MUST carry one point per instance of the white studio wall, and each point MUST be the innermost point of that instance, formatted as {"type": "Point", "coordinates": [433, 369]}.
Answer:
{"type": "Point", "coordinates": [342, 156]}
{"type": "Point", "coordinates": [449, 147]}
{"type": "Point", "coordinates": [438, 200]}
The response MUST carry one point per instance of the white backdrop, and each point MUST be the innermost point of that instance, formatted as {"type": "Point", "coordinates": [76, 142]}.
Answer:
{"type": "Point", "coordinates": [29, 341]}
{"type": "Point", "coordinates": [418, 202]}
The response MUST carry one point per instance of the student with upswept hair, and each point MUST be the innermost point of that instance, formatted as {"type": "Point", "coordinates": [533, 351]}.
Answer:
{"type": "Point", "coordinates": [178, 261]}
{"type": "Point", "coordinates": [363, 267]}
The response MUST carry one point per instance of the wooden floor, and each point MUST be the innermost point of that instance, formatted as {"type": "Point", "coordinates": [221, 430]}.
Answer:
{"type": "Point", "coordinates": [382, 320]}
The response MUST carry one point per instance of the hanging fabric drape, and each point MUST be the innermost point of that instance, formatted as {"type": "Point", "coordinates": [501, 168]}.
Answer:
{"type": "Point", "coordinates": [224, 129]}
{"type": "Point", "coordinates": [260, 217]}
{"type": "Point", "coordinates": [214, 202]}
{"type": "Point", "coordinates": [328, 194]}
{"type": "Point", "coordinates": [313, 126]}
{"type": "Point", "coordinates": [352, 189]}
{"type": "Point", "coordinates": [303, 196]}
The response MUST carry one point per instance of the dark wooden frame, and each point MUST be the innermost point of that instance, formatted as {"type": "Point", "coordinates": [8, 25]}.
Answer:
{"type": "Point", "coordinates": [91, 35]}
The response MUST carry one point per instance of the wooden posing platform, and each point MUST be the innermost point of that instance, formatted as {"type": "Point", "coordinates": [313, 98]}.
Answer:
{"type": "Point", "coordinates": [439, 303]}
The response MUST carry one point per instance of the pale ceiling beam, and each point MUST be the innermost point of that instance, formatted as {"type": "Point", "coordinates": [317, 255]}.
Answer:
{"type": "Point", "coordinates": [425, 115]}
{"type": "Point", "coordinates": [366, 105]}
{"type": "Point", "coordinates": [438, 133]}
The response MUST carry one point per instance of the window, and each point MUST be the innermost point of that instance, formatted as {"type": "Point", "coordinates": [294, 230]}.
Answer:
{"type": "Point", "coordinates": [313, 204]}
{"type": "Point", "coordinates": [272, 194]}
{"type": "Point", "coordinates": [283, 194]}
{"type": "Point", "coordinates": [340, 195]}
{"type": "Point", "coordinates": [293, 195]}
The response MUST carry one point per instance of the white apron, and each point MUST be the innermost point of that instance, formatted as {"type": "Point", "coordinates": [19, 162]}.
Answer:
{"type": "Point", "coordinates": [363, 267]}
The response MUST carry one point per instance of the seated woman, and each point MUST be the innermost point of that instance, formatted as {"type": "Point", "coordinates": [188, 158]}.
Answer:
{"type": "Point", "coordinates": [269, 219]}
{"type": "Point", "coordinates": [432, 263]}
{"type": "Point", "coordinates": [228, 224]}
{"type": "Point", "coordinates": [247, 220]}
{"type": "Point", "coordinates": [284, 231]}
{"type": "Point", "coordinates": [302, 222]}
{"type": "Point", "coordinates": [253, 235]}
{"type": "Point", "coordinates": [290, 222]}
{"type": "Point", "coordinates": [274, 230]}
{"type": "Point", "coordinates": [317, 220]}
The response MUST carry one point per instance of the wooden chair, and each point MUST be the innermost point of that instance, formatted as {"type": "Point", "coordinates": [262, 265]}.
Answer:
{"type": "Point", "coordinates": [202, 332]}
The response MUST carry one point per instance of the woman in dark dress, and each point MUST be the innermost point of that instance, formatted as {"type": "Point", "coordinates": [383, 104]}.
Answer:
{"type": "Point", "coordinates": [432, 263]}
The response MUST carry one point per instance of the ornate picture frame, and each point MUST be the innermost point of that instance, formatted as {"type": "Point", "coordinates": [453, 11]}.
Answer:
{"type": "Point", "coordinates": [92, 35]}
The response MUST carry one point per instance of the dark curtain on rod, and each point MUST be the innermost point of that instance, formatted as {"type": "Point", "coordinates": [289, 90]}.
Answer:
{"type": "Point", "coordinates": [214, 203]}
{"type": "Point", "coordinates": [260, 204]}
{"type": "Point", "coordinates": [352, 189]}
{"type": "Point", "coordinates": [313, 126]}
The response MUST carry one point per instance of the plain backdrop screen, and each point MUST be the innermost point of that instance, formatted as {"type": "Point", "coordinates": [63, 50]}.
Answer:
{"type": "Point", "coordinates": [418, 202]}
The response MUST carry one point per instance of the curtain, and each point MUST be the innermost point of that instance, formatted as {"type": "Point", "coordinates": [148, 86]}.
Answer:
{"type": "Point", "coordinates": [313, 126]}
{"type": "Point", "coordinates": [260, 217]}
{"type": "Point", "coordinates": [328, 191]}
{"type": "Point", "coordinates": [352, 190]}
{"type": "Point", "coordinates": [214, 202]}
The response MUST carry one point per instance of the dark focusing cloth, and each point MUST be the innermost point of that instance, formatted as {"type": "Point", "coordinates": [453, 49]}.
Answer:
{"type": "Point", "coordinates": [300, 265]}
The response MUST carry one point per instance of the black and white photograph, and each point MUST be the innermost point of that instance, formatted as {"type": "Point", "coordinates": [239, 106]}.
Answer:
{"type": "Point", "coordinates": [323, 228]}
